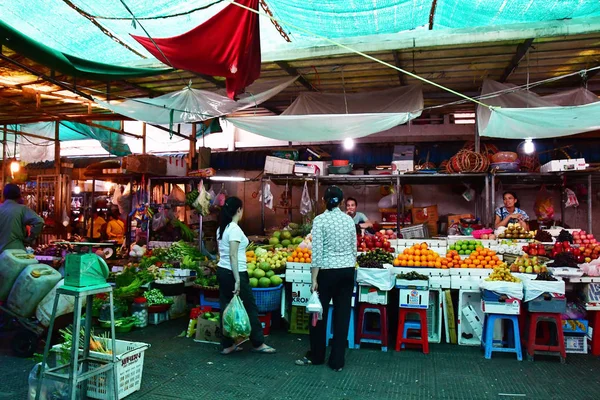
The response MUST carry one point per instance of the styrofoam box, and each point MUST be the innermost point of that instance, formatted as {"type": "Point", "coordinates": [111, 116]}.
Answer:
{"type": "Point", "coordinates": [400, 167]}
{"type": "Point", "coordinates": [372, 295]}
{"type": "Point", "coordinates": [414, 298]}
{"type": "Point", "coordinates": [465, 282]}
{"type": "Point", "coordinates": [312, 167]}
{"type": "Point", "coordinates": [300, 293]}
{"type": "Point", "coordinates": [279, 166]}
{"type": "Point", "coordinates": [438, 245]}
{"type": "Point", "coordinates": [484, 272]}
{"type": "Point", "coordinates": [474, 320]}
{"type": "Point", "coordinates": [509, 307]}
{"type": "Point", "coordinates": [412, 284]}
{"type": "Point", "coordinates": [472, 298]}
{"type": "Point", "coordinates": [439, 282]}
{"type": "Point", "coordinates": [298, 272]}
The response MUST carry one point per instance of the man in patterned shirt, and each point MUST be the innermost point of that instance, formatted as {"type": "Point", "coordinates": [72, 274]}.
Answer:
{"type": "Point", "coordinates": [333, 267]}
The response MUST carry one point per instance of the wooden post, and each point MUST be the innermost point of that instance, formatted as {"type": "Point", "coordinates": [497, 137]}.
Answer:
{"type": "Point", "coordinates": [57, 147]}
{"type": "Point", "coordinates": [4, 138]}
{"type": "Point", "coordinates": [143, 138]}
{"type": "Point", "coordinates": [192, 147]}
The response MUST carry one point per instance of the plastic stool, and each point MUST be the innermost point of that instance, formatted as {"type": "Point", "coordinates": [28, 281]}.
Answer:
{"type": "Point", "coordinates": [402, 339]}
{"type": "Point", "coordinates": [330, 328]}
{"type": "Point", "coordinates": [534, 346]}
{"type": "Point", "coordinates": [410, 325]}
{"type": "Point", "coordinates": [513, 338]}
{"type": "Point", "coordinates": [208, 303]}
{"type": "Point", "coordinates": [365, 336]}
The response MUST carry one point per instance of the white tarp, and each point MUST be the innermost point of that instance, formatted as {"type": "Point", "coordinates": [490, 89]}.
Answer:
{"type": "Point", "coordinates": [523, 114]}
{"type": "Point", "coordinates": [317, 117]}
{"type": "Point", "coordinates": [534, 289]}
{"type": "Point", "coordinates": [193, 105]}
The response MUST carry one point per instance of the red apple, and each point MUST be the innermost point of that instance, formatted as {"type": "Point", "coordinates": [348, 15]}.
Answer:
{"type": "Point", "coordinates": [566, 244]}
{"type": "Point", "coordinates": [586, 241]}
{"type": "Point", "coordinates": [576, 252]}
{"type": "Point", "coordinates": [590, 236]}
{"type": "Point", "coordinates": [580, 259]}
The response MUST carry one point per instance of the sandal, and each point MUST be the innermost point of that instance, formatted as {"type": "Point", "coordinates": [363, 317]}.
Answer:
{"type": "Point", "coordinates": [303, 362]}
{"type": "Point", "coordinates": [236, 349]}
{"type": "Point", "coordinates": [265, 350]}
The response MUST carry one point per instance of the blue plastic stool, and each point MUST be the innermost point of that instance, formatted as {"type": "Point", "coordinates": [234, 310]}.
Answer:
{"type": "Point", "coordinates": [204, 302]}
{"type": "Point", "coordinates": [513, 341]}
{"type": "Point", "coordinates": [410, 325]}
{"type": "Point", "coordinates": [330, 328]}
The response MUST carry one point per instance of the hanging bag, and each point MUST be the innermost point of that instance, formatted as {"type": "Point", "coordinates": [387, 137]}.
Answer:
{"type": "Point", "coordinates": [305, 203]}
{"type": "Point", "coordinates": [236, 323]}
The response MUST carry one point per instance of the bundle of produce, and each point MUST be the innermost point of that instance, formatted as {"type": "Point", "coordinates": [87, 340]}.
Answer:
{"type": "Point", "coordinates": [543, 236]}
{"type": "Point", "coordinates": [564, 259]}
{"type": "Point", "coordinates": [419, 255]}
{"type": "Point", "coordinates": [412, 276]}
{"type": "Point", "coordinates": [516, 231]}
{"type": "Point", "coordinates": [468, 161]}
{"type": "Point", "coordinates": [565, 236]}
{"type": "Point", "coordinates": [479, 258]}
{"type": "Point", "coordinates": [501, 273]}
{"type": "Point", "coordinates": [528, 265]}
{"type": "Point", "coordinates": [545, 276]}
{"type": "Point", "coordinates": [207, 282]}
{"type": "Point", "coordinates": [155, 297]}
{"type": "Point", "coordinates": [465, 247]}
{"type": "Point", "coordinates": [374, 259]}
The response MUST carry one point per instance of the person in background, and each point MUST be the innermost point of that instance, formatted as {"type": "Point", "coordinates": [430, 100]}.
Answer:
{"type": "Point", "coordinates": [115, 229]}
{"type": "Point", "coordinates": [511, 213]}
{"type": "Point", "coordinates": [359, 218]}
{"type": "Point", "coordinates": [99, 221]}
{"type": "Point", "coordinates": [332, 270]}
{"type": "Point", "coordinates": [232, 275]}
{"type": "Point", "coordinates": [19, 225]}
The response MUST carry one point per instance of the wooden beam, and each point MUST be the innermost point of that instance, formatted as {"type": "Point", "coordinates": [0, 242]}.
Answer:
{"type": "Point", "coordinates": [4, 164]}
{"type": "Point", "coordinates": [432, 14]}
{"type": "Point", "coordinates": [57, 147]}
{"type": "Point", "coordinates": [294, 72]}
{"type": "Point", "coordinates": [143, 138]}
{"type": "Point", "coordinates": [399, 65]}
{"type": "Point", "coordinates": [522, 50]}
{"type": "Point", "coordinates": [218, 83]}
{"type": "Point", "coordinates": [121, 132]}
{"type": "Point", "coordinates": [149, 92]}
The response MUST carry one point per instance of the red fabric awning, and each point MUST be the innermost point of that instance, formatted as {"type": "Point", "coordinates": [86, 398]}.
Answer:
{"type": "Point", "coordinates": [226, 45]}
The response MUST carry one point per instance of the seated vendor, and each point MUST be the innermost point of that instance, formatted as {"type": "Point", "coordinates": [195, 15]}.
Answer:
{"type": "Point", "coordinates": [359, 218]}
{"type": "Point", "coordinates": [511, 213]}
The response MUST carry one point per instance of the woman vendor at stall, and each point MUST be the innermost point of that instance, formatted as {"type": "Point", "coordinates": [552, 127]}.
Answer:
{"type": "Point", "coordinates": [359, 218]}
{"type": "Point", "coordinates": [511, 213]}
{"type": "Point", "coordinates": [115, 229]}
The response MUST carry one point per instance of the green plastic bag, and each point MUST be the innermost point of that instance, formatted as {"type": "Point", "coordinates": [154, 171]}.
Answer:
{"type": "Point", "coordinates": [236, 323]}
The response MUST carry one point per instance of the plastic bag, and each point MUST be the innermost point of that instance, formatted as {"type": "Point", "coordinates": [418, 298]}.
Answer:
{"type": "Point", "coordinates": [50, 390]}
{"type": "Point", "coordinates": [571, 199]}
{"type": "Point", "coordinates": [177, 195]}
{"type": "Point", "coordinates": [159, 220]}
{"type": "Point", "coordinates": [267, 196]}
{"type": "Point", "coordinates": [389, 201]}
{"type": "Point", "coordinates": [315, 307]}
{"type": "Point", "coordinates": [512, 289]}
{"type": "Point", "coordinates": [305, 203]}
{"type": "Point", "coordinates": [544, 207]}
{"type": "Point", "coordinates": [117, 195]}
{"type": "Point", "coordinates": [236, 323]}
{"type": "Point", "coordinates": [382, 279]}
{"type": "Point", "coordinates": [202, 202]}
{"type": "Point", "coordinates": [534, 289]}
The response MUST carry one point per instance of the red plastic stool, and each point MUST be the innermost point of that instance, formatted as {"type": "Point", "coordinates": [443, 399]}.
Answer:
{"type": "Point", "coordinates": [362, 335]}
{"type": "Point", "coordinates": [533, 347]}
{"type": "Point", "coordinates": [423, 340]}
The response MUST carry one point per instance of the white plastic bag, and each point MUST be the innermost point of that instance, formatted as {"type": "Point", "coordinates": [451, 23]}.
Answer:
{"type": "Point", "coordinates": [267, 197]}
{"type": "Point", "coordinates": [389, 201]}
{"type": "Point", "coordinates": [117, 194]}
{"type": "Point", "coordinates": [511, 289]}
{"type": "Point", "coordinates": [305, 203]}
{"type": "Point", "coordinates": [315, 307]}
{"type": "Point", "coordinates": [535, 288]}
{"type": "Point", "coordinates": [381, 278]}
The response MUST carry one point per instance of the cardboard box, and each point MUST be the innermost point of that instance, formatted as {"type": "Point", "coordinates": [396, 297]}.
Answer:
{"type": "Point", "coordinates": [312, 167]}
{"type": "Point", "coordinates": [145, 164]}
{"type": "Point", "coordinates": [204, 157]}
{"type": "Point", "coordinates": [372, 295]}
{"type": "Point", "coordinates": [176, 166]}
{"type": "Point", "coordinates": [510, 307]}
{"type": "Point", "coordinates": [455, 219]}
{"type": "Point", "coordinates": [402, 166]}
{"type": "Point", "coordinates": [208, 331]}
{"type": "Point", "coordinates": [300, 293]}
{"type": "Point", "coordinates": [426, 215]}
{"type": "Point", "coordinates": [279, 166]}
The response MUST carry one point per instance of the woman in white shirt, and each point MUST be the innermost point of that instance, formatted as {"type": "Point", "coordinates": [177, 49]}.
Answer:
{"type": "Point", "coordinates": [232, 275]}
{"type": "Point", "coordinates": [332, 269]}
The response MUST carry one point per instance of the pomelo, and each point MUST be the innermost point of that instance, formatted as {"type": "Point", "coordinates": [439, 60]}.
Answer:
{"type": "Point", "coordinates": [258, 273]}
{"type": "Point", "coordinates": [277, 234]}
{"type": "Point", "coordinates": [276, 280]}
{"type": "Point", "coordinates": [286, 235]}
{"type": "Point", "coordinates": [265, 266]}
{"type": "Point", "coordinates": [285, 243]}
{"type": "Point", "coordinates": [269, 274]}
{"type": "Point", "coordinates": [264, 282]}
{"type": "Point", "coordinates": [273, 241]}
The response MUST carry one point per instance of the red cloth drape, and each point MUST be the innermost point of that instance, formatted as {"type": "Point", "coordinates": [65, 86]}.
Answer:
{"type": "Point", "coordinates": [226, 45]}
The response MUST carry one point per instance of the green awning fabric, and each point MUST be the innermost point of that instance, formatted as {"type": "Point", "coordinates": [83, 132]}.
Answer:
{"type": "Point", "coordinates": [69, 64]}
{"type": "Point", "coordinates": [112, 142]}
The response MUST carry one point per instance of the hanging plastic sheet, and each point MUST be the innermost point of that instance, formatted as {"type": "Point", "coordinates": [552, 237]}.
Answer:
{"type": "Point", "coordinates": [193, 105]}
{"type": "Point", "coordinates": [522, 114]}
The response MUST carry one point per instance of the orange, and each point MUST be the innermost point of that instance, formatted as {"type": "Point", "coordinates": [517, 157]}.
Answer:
{"type": "Point", "coordinates": [468, 261]}
{"type": "Point", "coordinates": [495, 258]}
{"type": "Point", "coordinates": [417, 252]}
{"type": "Point", "coordinates": [488, 258]}
{"type": "Point", "coordinates": [410, 251]}
{"type": "Point", "coordinates": [411, 264]}
{"type": "Point", "coordinates": [464, 266]}
{"type": "Point", "coordinates": [302, 260]}
{"type": "Point", "coordinates": [474, 253]}
{"type": "Point", "coordinates": [438, 264]}
{"type": "Point", "coordinates": [450, 265]}
{"type": "Point", "coordinates": [296, 259]}
{"type": "Point", "coordinates": [290, 259]}
{"type": "Point", "coordinates": [294, 254]}
{"type": "Point", "coordinates": [423, 246]}
{"type": "Point", "coordinates": [396, 263]}
{"type": "Point", "coordinates": [308, 260]}
{"type": "Point", "coordinates": [404, 263]}
{"type": "Point", "coordinates": [476, 262]}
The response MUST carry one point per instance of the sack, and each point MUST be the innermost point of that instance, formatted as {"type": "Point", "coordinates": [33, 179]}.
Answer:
{"type": "Point", "coordinates": [382, 279]}
{"type": "Point", "coordinates": [236, 323]}
{"type": "Point", "coordinates": [511, 289]}
{"type": "Point", "coordinates": [544, 207]}
{"type": "Point", "coordinates": [305, 203]}
{"type": "Point", "coordinates": [177, 195]}
{"type": "Point", "coordinates": [389, 201]}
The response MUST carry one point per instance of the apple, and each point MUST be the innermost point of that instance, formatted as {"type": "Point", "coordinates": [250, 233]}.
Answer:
{"type": "Point", "coordinates": [566, 244]}
{"type": "Point", "coordinates": [580, 259]}
{"type": "Point", "coordinates": [588, 259]}
{"type": "Point", "coordinates": [576, 252]}
{"type": "Point", "coordinates": [590, 236]}
{"type": "Point", "coordinates": [586, 241]}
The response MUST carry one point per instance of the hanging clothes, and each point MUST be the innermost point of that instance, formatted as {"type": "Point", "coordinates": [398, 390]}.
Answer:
{"type": "Point", "coordinates": [226, 45]}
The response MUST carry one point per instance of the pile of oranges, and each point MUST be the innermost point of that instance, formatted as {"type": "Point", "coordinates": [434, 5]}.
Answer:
{"type": "Point", "coordinates": [479, 258]}
{"type": "Point", "coordinates": [419, 255]}
{"type": "Point", "coordinates": [301, 256]}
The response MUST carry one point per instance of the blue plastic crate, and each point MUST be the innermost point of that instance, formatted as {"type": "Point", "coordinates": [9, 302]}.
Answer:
{"type": "Point", "coordinates": [575, 326]}
{"type": "Point", "coordinates": [268, 299]}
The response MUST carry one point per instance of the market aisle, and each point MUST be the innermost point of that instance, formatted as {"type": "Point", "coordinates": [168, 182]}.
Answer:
{"type": "Point", "coordinates": [178, 368]}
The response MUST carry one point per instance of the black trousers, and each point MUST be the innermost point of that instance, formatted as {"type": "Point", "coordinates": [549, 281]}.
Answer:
{"type": "Point", "coordinates": [336, 284]}
{"type": "Point", "coordinates": [226, 286]}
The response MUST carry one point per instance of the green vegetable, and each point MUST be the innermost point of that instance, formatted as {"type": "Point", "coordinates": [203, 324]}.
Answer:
{"type": "Point", "coordinates": [156, 297]}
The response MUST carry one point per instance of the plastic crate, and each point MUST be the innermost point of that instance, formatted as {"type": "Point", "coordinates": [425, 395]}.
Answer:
{"type": "Point", "coordinates": [158, 318]}
{"type": "Point", "coordinates": [548, 304]}
{"type": "Point", "coordinates": [576, 344]}
{"type": "Point", "coordinates": [268, 299]}
{"type": "Point", "coordinates": [299, 320]}
{"type": "Point", "coordinates": [576, 326]}
{"type": "Point", "coordinates": [130, 366]}
{"type": "Point", "coordinates": [415, 232]}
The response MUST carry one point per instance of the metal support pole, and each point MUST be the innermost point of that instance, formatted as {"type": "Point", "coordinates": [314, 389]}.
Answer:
{"type": "Point", "coordinates": [493, 199]}
{"type": "Point", "coordinates": [192, 147]}
{"type": "Point", "coordinates": [477, 138]}
{"type": "Point", "coordinates": [316, 195]}
{"type": "Point", "coordinates": [563, 198]}
{"type": "Point", "coordinates": [57, 147]}
{"type": "Point", "coordinates": [589, 203]}
{"type": "Point", "coordinates": [129, 218]}
{"type": "Point", "coordinates": [487, 201]}
{"type": "Point", "coordinates": [399, 203]}
{"type": "Point", "coordinates": [262, 204]}
{"type": "Point", "coordinates": [4, 164]}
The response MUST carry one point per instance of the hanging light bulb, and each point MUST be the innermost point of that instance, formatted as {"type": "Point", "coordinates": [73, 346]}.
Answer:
{"type": "Point", "coordinates": [528, 147]}
{"type": "Point", "coordinates": [77, 189]}
{"type": "Point", "coordinates": [108, 186]}
{"type": "Point", "coordinates": [348, 143]}
{"type": "Point", "coordinates": [15, 166]}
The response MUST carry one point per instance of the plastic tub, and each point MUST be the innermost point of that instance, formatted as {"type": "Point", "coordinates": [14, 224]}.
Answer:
{"type": "Point", "coordinates": [505, 157]}
{"type": "Point", "coordinates": [506, 166]}
{"type": "Point", "coordinates": [340, 163]}
{"type": "Point", "coordinates": [32, 285]}
{"type": "Point", "coordinates": [11, 265]}
{"type": "Point", "coordinates": [66, 305]}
